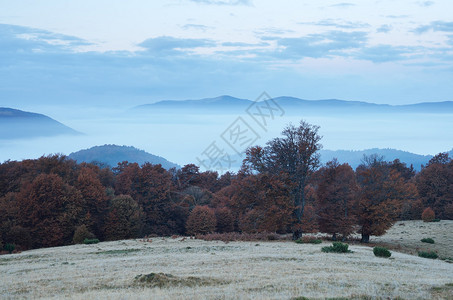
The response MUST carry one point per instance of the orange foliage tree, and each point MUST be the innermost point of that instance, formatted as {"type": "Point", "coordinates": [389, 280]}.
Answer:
{"type": "Point", "coordinates": [428, 215]}
{"type": "Point", "coordinates": [150, 185]}
{"type": "Point", "coordinates": [336, 195]}
{"type": "Point", "coordinates": [51, 210]}
{"type": "Point", "coordinates": [435, 186]}
{"type": "Point", "coordinates": [124, 219]}
{"type": "Point", "coordinates": [95, 200]}
{"type": "Point", "coordinates": [262, 203]}
{"type": "Point", "coordinates": [382, 192]}
{"type": "Point", "coordinates": [295, 156]}
{"type": "Point", "coordinates": [201, 220]}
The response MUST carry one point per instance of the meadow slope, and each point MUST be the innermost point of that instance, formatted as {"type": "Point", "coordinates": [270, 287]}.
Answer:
{"type": "Point", "coordinates": [218, 270]}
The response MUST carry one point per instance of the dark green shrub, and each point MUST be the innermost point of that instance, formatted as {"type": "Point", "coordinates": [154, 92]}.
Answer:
{"type": "Point", "coordinates": [90, 241]}
{"type": "Point", "coordinates": [427, 240]}
{"type": "Point", "coordinates": [430, 254]}
{"type": "Point", "coordinates": [337, 247]}
{"type": "Point", "coordinates": [9, 247]}
{"type": "Point", "coordinates": [308, 240]}
{"type": "Point", "coordinates": [381, 252]}
{"type": "Point", "coordinates": [435, 220]}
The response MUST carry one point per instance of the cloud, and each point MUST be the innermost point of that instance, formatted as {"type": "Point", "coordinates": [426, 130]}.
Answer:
{"type": "Point", "coordinates": [343, 5]}
{"type": "Point", "coordinates": [166, 45]}
{"type": "Point", "coordinates": [328, 44]}
{"type": "Point", "coordinates": [195, 27]}
{"type": "Point", "coordinates": [425, 3]}
{"type": "Point", "coordinates": [224, 2]}
{"type": "Point", "coordinates": [450, 40]}
{"type": "Point", "coordinates": [338, 24]}
{"type": "Point", "coordinates": [25, 39]}
{"type": "Point", "coordinates": [272, 31]}
{"type": "Point", "coordinates": [435, 26]}
{"type": "Point", "coordinates": [240, 44]}
{"type": "Point", "coordinates": [383, 53]}
{"type": "Point", "coordinates": [384, 28]}
{"type": "Point", "coordinates": [397, 16]}
{"type": "Point", "coordinates": [57, 76]}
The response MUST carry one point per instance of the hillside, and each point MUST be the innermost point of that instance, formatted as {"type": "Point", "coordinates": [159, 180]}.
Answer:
{"type": "Point", "coordinates": [293, 105]}
{"type": "Point", "coordinates": [17, 124]}
{"type": "Point", "coordinates": [113, 154]}
{"type": "Point", "coordinates": [183, 268]}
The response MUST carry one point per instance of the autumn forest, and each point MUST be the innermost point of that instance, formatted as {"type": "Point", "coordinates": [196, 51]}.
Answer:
{"type": "Point", "coordinates": [281, 188]}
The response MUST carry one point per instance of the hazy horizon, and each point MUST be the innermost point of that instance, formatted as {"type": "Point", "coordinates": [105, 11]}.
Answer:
{"type": "Point", "coordinates": [182, 137]}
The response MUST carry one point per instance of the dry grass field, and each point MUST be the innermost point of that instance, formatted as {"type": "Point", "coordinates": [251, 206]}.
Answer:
{"type": "Point", "coordinates": [405, 237]}
{"type": "Point", "coordinates": [195, 269]}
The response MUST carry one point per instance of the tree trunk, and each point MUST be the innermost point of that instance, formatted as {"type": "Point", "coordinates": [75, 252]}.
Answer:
{"type": "Point", "coordinates": [365, 238]}
{"type": "Point", "coordinates": [299, 203]}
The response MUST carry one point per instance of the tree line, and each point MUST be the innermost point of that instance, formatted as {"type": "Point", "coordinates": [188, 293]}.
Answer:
{"type": "Point", "coordinates": [280, 188]}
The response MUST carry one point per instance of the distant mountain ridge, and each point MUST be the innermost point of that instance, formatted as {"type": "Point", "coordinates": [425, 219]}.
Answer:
{"type": "Point", "coordinates": [354, 157]}
{"type": "Point", "coordinates": [113, 154]}
{"type": "Point", "coordinates": [293, 103]}
{"type": "Point", "coordinates": [16, 124]}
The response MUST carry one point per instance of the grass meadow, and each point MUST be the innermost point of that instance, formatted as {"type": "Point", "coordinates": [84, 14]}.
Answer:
{"type": "Point", "coordinates": [183, 268]}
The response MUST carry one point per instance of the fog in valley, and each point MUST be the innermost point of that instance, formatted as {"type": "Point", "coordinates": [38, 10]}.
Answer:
{"type": "Point", "coordinates": [183, 137]}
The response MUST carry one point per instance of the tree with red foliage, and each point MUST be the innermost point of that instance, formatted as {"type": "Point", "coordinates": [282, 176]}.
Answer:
{"type": "Point", "coordinates": [188, 175]}
{"type": "Point", "coordinates": [296, 156]}
{"type": "Point", "coordinates": [435, 186]}
{"type": "Point", "coordinates": [225, 220]}
{"type": "Point", "coordinates": [153, 196]}
{"type": "Point", "coordinates": [127, 181]}
{"type": "Point", "coordinates": [262, 203]}
{"type": "Point", "coordinates": [9, 212]}
{"type": "Point", "coordinates": [51, 210]}
{"type": "Point", "coordinates": [124, 219]}
{"type": "Point", "coordinates": [382, 192]}
{"type": "Point", "coordinates": [150, 185]}
{"type": "Point", "coordinates": [201, 220]}
{"type": "Point", "coordinates": [95, 201]}
{"type": "Point", "coordinates": [428, 215]}
{"type": "Point", "coordinates": [337, 195]}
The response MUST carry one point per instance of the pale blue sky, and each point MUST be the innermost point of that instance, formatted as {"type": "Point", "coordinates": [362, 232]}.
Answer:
{"type": "Point", "coordinates": [135, 52]}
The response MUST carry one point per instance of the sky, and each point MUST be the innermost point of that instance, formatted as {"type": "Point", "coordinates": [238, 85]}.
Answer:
{"type": "Point", "coordinates": [126, 53]}
{"type": "Point", "coordinates": [88, 63]}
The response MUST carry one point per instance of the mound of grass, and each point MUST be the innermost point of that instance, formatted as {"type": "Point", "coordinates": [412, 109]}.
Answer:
{"type": "Point", "coordinates": [90, 241]}
{"type": "Point", "coordinates": [163, 280]}
{"type": "Point", "coordinates": [427, 240]}
{"type": "Point", "coordinates": [429, 254]}
{"type": "Point", "coordinates": [124, 251]}
{"type": "Point", "coordinates": [381, 252]}
{"type": "Point", "coordinates": [337, 247]}
{"type": "Point", "coordinates": [442, 292]}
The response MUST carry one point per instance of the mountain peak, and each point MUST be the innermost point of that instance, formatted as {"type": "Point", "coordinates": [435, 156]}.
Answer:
{"type": "Point", "coordinates": [16, 124]}
{"type": "Point", "coordinates": [113, 154]}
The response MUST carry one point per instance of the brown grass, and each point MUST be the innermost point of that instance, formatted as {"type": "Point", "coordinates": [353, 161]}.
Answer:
{"type": "Point", "coordinates": [196, 269]}
{"type": "Point", "coordinates": [405, 236]}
